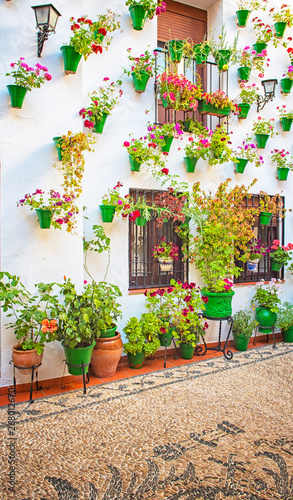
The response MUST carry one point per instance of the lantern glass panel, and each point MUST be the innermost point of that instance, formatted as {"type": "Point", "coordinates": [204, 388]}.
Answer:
{"type": "Point", "coordinates": [42, 14]}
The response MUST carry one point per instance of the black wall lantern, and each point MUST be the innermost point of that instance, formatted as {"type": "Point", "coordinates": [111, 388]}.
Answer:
{"type": "Point", "coordinates": [269, 89]}
{"type": "Point", "coordinates": [46, 19]}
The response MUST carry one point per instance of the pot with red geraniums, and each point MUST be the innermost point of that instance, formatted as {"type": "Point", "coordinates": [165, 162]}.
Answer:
{"type": "Point", "coordinates": [282, 17]}
{"type": "Point", "coordinates": [198, 146]}
{"type": "Point", "coordinates": [137, 209]}
{"type": "Point", "coordinates": [281, 255]}
{"type": "Point", "coordinates": [244, 9]}
{"type": "Point", "coordinates": [216, 104]}
{"type": "Point", "coordinates": [52, 208]}
{"type": "Point", "coordinates": [248, 96]}
{"type": "Point", "coordinates": [177, 92]}
{"type": "Point", "coordinates": [263, 129]}
{"type": "Point", "coordinates": [142, 68]}
{"type": "Point", "coordinates": [247, 153]}
{"type": "Point", "coordinates": [163, 135]}
{"type": "Point", "coordinates": [166, 252]}
{"type": "Point", "coordinates": [248, 60]}
{"type": "Point", "coordinates": [287, 80]}
{"type": "Point", "coordinates": [283, 162]}
{"type": "Point", "coordinates": [285, 117]}
{"type": "Point", "coordinates": [142, 151]}
{"type": "Point", "coordinates": [221, 151]}
{"type": "Point", "coordinates": [270, 205]}
{"type": "Point", "coordinates": [103, 101]}
{"type": "Point", "coordinates": [263, 33]}
{"type": "Point", "coordinates": [224, 53]}
{"type": "Point", "coordinates": [266, 297]}
{"type": "Point", "coordinates": [160, 302]}
{"type": "Point", "coordinates": [255, 252]}
{"type": "Point", "coordinates": [105, 24]}
{"type": "Point", "coordinates": [26, 78]}
{"type": "Point", "coordinates": [111, 203]}
{"type": "Point", "coordinates": [141, 10]}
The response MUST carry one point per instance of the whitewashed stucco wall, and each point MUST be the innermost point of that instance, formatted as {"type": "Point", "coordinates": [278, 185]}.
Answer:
{"type": "Point", "coordinates": [27, 153]}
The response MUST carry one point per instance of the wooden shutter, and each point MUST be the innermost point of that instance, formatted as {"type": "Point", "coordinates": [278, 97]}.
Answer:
{"type": "Point", "coordinates": [182, 22]}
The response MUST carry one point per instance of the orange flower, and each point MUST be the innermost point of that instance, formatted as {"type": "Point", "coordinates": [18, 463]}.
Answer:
{"type": "Point", "coordinates": [50, 326]}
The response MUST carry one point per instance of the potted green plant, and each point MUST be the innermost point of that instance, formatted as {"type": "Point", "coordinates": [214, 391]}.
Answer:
{"type": "Point", "coordinates": [244, 9]}
{"type": "Point", "coordinates": [248, 60]}
{"type": "Point", "coordinates": [108, 309]}
{"type": "Point", "coordinates": [281, 255]}
{"type": "Point", "coordinates": [223, 52]}
{"type": "Point", "coordinates": [263, 129]}
{"type": "Point", "coordinates": [163, 135]}
{"type": "Point", "coordinates": [166, 252]}
{"type": "Point", "coordinates": [102, 103]}
{"type": "Point", "coordinates": [25, 79]}
{"type": "Point", "coordinates": [178, 48]}
{"type": "Point", "coordinates": [247, 153]}
{"type": "Point", "coordinates": [142, 151]}
{"type": "Point", "coordinates": [160, 302]}
{"type": "Point", "coordinates": [242, 329]}
{"type": "Point", "coordinates": [142, 68]}
{"type": "Point", "coordinates": [256, 250]}
{"type": "Point", "coordinates": [285, 321]}
{"type": "Point", "coordinates": [263, 33]}
{"type": "Point", "coordinates": [201, 52]}
{"type": "Point", "coordinates": [216, 104]}
{"type": "Point", "coordinates": [220, 145]}
{"type": "Point", "coordinates": [142, 336]}
{"type": "Point", "coordinates": [283, 163]}
{"type": "Point", "coordinates": [282, 17]}
{"type": "Point", "coordinates": [285, 117]}
{"type": "Point", "coordinates": [141, 10]}
{"type": "Point", "coordinates": [105, 24]}
{"type": "Point", "coordinates": [248, 96]}
{"type": "Point", "coordinates": [266, 297]}
{"type": "Point", "coordinates": [137, 209]}
{"type": "Point", "coordinates": [111, 202]}
{"type": "Point", "coordinates": [177, 92]}
{"type": "Point", "coordinates": [196, 148]}
{"type": "Point", "coordinates": [29, 312]}
{"type": "Point", "coordinates": [269, 205]}
{"type": "Point", "coordinates": [287, 80]}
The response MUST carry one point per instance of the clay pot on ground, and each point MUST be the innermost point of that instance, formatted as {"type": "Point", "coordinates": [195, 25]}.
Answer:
{"type": "Point", "coordinates": [106, 355]}
{"type": "Point", "coordinates": [23, 360]}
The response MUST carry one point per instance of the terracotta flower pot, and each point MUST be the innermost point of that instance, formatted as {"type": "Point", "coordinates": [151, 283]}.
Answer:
{"type": "Point", "coordinates": [106, 355]}
{"type": "Point", "coordinates": [23, 360]}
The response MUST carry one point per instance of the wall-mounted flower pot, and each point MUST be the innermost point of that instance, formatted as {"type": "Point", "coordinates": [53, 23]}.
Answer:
{"type": "Point", "coordinates": [259, 47]}
{"type": "Point", "coordinates": [190, 163]}
{"type": "Point", "coordinates": [166, 265]}
{"type": "Point", "coordinates": [241, 342]}
{"type": "Point", "coordinates": [134, 164]}
{"type": "Point", "coordinates": [242, 17]}
{"type": "Point", "coordinates": [78, 356]}
{"type": "Point", "coordinates": [201, 54]}
{"type": "Point", "coordinates": [140, 81]}
{"type": "Point", "coordinates": [206, 108]}
{"type": "Point", "coordinates": [223, 59]}
{"type": "Point", "coordinates": [286, 84]}
{"type": "Point", "coordinates": [186, 350]}
{"type": "Point", "coordinates": [99, 124]}
{"type": "Point", "coordinates": [283, 173]}
{"type": "Point", "coordinates": [286, 124]}
{"type": "Point", "coordinates": [71, 59]}
{"type": "Point", "coordinates": [140, 221]}
{"type": "Point", "coordinates": [45, 217]}
{"type": "Point", "coordinates": [17, 94]}
{"type": "Point", "coordinates": [280, 29]}
{"type": "Point", "coordinates": [164, 102]}
{"type": "Point", "coordinates": [168, 141]}
{"type": "Point", "coordinates": [288, 335]}
{"type": "Point", "coordinates": [244, 73]}
{"type": "Point", "coordinates": [261, 140]}
{"type": "Point", "coordinates": [276, 266]}
{"type": "Point", "coordinates": [243, 110]}
{"type": "Point", "coordinates": [219, 305]}
{"type": "Point", "coordinates": [175, 48]}
{"type": "Point", "coordinates": [138, 16]}
{"type": "Point", "coordinates": [98, 36]}
{"type": "Point", "coordinates": [265, 218]}
{"type": "Point", "coordinates": [240, 166]}
{"type": "Point", "coordinates": [107, 212]}
{"type": "Point", "coordinates": [265, 318]}
{"type": "Point", "coordinates": [135, 361]}
{"type": "Point", "coordinates": [57, 143]}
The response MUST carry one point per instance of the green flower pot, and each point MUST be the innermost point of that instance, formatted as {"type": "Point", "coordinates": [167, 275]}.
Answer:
{"type": "Point", "coordinates": [186, 350]}
{"type": "Point", "coordinates": [175, 48]}
{"type": "Point", "coordinates": [138, 17]}
{"type": "Point", "coordinates": [99, 124]}
{"type": "Point", "coordinates": [243, 110]}
{"type": "Point", "coordinates": [140, 221]}
{"type": "Point", "coordinates": [241, 342]}
{"type": "Point", "coordinates": [164, 102]}
{"type": "Point", "coordinates": [77, 356]}
{"type": "Point", "coordinates": [205, 108]}
{"type": "Point", "coordinates": [190, 163]}
{"type": "Point", "coordinates": [140, 81]}
{"type": "Point", "coordinates": [265, 318]}
{"type": "Point", "coordinates": [283, 173]}
{"type": "Point", "coordinates": [265, 218]}
{"type": "Point", "coordinates": [223, 59]}
{"type": "Point", "coordinates": [134, 164]}
{"type": "Point", "coordinates": [242, 17]}
{"type": "Point", "coordinates": [168, 140]}
{"type": "Point", "coordinates": [58, 143]}
{"type": "Point", "coordinates": [276, 266]}
{"type": "Point", "coordinates": [168, 335]}
{"type": "Point", "coordinates": [259, 47]}
{"type": "Point", "coordinates": [280, 29]}
{"type": "Point", "coordinates": [244, 73]}
{"type": "Point", "coordinates": [288, 334]}
{"type": "Point", "coordinates": [109, 332]}
{"type": "Point", "coordinates": [286, 124]}
{"type": "Point", "coordinates": [201, 54]}
{"type": "Point", "coordinates": [98, 36]}
{"type": "Point", "coordinates": [17, 94]}
{"type": "Point", "coordinates": [286, 84]}
{"type": "Point", "coordinates": [45, 217]}
{"type": "Point", "coordinates": [261, 140]}
{"type": "Point", "coordinates": [136, 361]}
{"type": "Point", "coordinates": [107, 212]}
{"type": "Point", "coordinates": [219, 305]}
{"type": "Point", "coordinates": [71, 59]}
{"type": "Point", "coordinates": [241, 165]}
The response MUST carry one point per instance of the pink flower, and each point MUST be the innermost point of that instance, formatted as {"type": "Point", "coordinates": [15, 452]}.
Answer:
{"type": "Point", "coordinates": [89, 124]}
{"type": "Point", "coordinates": [47, 76]}
{"type": "Point", "coordinates": [126, 144]}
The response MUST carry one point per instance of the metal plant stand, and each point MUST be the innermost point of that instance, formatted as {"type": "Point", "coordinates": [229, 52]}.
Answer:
{"type": "Point", "coordinates": [176, 348]}
{"type": "Point", "coordinates": [34, 372]}
{"type": "Point", "coordinates": [271, 329]}
{"type": "Point", "coordinates": [200, 351]}
{"type": "Point", "coordinates": [85, 376]}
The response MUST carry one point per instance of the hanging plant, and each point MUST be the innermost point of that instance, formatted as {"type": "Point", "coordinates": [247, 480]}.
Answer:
{"type": "Point", "coordinates": [248, 96]}
{"type": "Point", "coordinates": [249, 60]}
{"type": "Point", "coordinates": [223, 52]}
{"type": "Point", "coordinates": [142, 68]}
{"type": "Point", "coordinates": [216, 104]}
{"type": "Point", "coordinates": [178, 92]}
{"type": "Point", "coordinates": [220, 146]}
{"type": "Point", "coordinates": [282, 18]}
{"type": "Point", "coordinates": [247, 153]}
{"type": "Point", "coordinates": [263, 130]}
{"type": "Point", "coordinates": [283, 162]}
{"type": "Point", "coordinates": [25, 79]}
{"type": "Point", "coordinates": [141, 10]}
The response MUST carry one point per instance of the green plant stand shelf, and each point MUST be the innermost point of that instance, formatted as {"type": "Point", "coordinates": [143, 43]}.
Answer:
{"type": "Point", "coordinates": [200, 351]}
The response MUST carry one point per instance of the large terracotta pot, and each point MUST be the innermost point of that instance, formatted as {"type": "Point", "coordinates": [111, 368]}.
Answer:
{"type": "Point", "coordinates": [25, 359]}
{"type": "Point", "coordinates": [106, 355]}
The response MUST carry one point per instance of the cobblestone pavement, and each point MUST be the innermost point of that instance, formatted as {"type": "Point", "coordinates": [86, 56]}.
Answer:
{"type": "Point", "coordinates": [209, 430]}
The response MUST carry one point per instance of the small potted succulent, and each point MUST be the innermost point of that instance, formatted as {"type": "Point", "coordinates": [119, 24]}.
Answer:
{"type": "Point", "coordinates": [26, 78]}
{"type": "Point", "coordinates": [266, 298]}
{"type": "Point", "coordinates": [242, 329]}
{"type": "Point", "coordinates": [282, 17]}
{"type": "Point", "coordinates": [247, 153]}
{"type": "Point", "coordinates": [198, 146]}
{"type": "Point", "coordinates": [103, 101]}
{"type": "Point", "coordinates": [223, 52]}
{"type": "Point", "coordinates": [285, 321]}
{"type": "Point", "coordinates": [142, 68]}
{"type": "Point", "coordinates": [142, 335]}
{"type": "Point", "coordinates": [281, 255]}
{"type": "Point", "coordinates": [166, 252]}
{"type": "Point", "coordinates": [248, 96]}
{"type": "Point", "coordinates": [141, 10]}
{"type": "Point", "coordinates": [263, 129]}
{"type": "Point", "coordinates": [285, 117]}
{"type": "Point", "coordinates": [244, 9]}
{"type": "Point", "coordinates": [111, 202]}
{"type": "Point", "coordinates": [283, 162]}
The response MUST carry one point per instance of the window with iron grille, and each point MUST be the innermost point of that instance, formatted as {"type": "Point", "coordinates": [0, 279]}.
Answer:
{"type": "Point", "coordinates": [144, 270]}
{"type": "Point", "coordinates": [266, 234]}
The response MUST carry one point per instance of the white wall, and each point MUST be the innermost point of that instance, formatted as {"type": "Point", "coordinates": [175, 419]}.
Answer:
{"type": "Point", "coordinates": [27, 153]}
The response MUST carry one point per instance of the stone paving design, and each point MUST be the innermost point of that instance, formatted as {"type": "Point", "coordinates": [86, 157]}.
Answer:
{"type": "Point", "coordinates": [211, 430]}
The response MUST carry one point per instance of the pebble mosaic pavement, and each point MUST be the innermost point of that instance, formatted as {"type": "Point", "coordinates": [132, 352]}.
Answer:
{"type": "Point", "coordinates": [209, 430]}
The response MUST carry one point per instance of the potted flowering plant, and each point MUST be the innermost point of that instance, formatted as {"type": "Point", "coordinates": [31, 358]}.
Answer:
{"type": "Point", "coordinates": [283, 162]}
{"type": "Point", "coordinates": [263, 33]}
{"type": "Point", "coordinates": [140, 10]}
{"type": "Point", "coordinates": [247, 153]}
{"type": "Point", "coordinates": [263, 129]}
{"type": "Point", "coordinates": [269, 205]}
{"type": "Point", "coordinates": [137, 209]}
{"type": "Point", "coordinates": [143, 340]}
{"type": "Point", "coordinates": [266, 297]}
{"type": "Point", "coordinates": [285, 117]}
{"type": "Point", "coordinates": [166, 252]}
{"type": "Point", "coordinates": [178, 92]}
{"type": "Point", "coordinates": [220, 145]}
{"type": "Point", "coordinates": [164, 134]}
{"type": "Point", "coordinates": [255, 251]}
{"type": "Point", "coordinates": [142, 68]}
{"type": "Point", "coordinates": [249, 60]}
{"type": "Point", "coordinates": [201, 52]}
{"type": "Point", "coordinates": [111, 202]}
{"type": "Point", "coordinates": [51, 208]}
{"type": "Point", "coordinates": [281, 255]}
{"type": "Point", "coordinates": [102, 103]}
{"type": "Point", "coordinates": [223, 52]}
{"type": "Point", "coordinates": [25, 79]}
{"type": "Point", "coordinates": [242, 329]}
{"type": "Point", "coordinates": [244, 9]}
{"type": "Point", "coordinates": [282, 17]}
{"type": "Point", "coordinates": [285, 321]}
{"type": "Point", "coordinates": [287, 80]}
{"type": "Point", "coordinates": [139, 152]}
{"type": "Point", "coordinates": [197, 147]}
{"type": "Point", "coordinates": [216, 104]}
{"type": "Point", "coordinates": [169, 205]}
{"type": "Point", "coordinates": [248, 96]}
{"type": "Point", "coordinates": [106, 23]}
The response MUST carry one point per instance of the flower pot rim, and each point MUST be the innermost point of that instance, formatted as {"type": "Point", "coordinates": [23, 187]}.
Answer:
{"type": "Point", "coordinates": [77, 348]}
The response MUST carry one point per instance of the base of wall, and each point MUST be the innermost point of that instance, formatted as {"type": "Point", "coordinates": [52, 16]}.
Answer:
{"type": "Point", "coordinates": [124, 362]}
